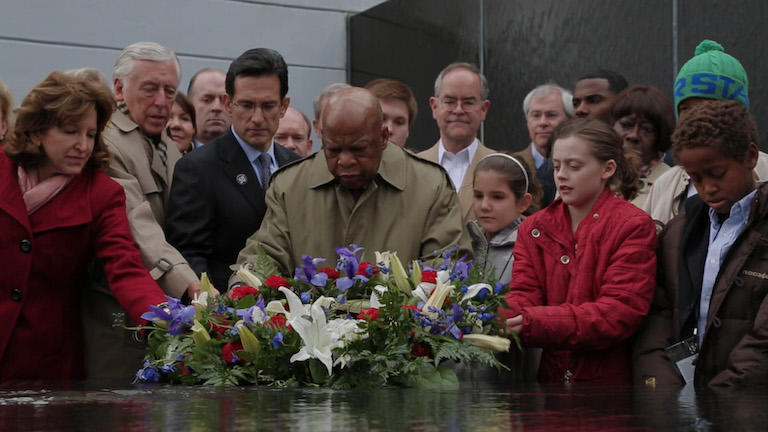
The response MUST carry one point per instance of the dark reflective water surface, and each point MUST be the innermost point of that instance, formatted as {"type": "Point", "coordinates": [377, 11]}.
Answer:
{"type": "Point", "coordinates": [477, 406]}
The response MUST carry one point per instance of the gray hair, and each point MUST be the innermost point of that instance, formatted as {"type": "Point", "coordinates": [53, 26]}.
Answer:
{"type": "Point", "coordinates": [329, 90]}
{"type": "Point", "coordinates": [546, 89]}
{"type": "Point", "coordinates": [484, 92]}
{"type": "Point", "coordinates": [143, 51]}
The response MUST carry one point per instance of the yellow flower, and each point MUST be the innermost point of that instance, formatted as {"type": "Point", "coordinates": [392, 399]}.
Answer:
{"type": "Point", "coordinates": [247, 338]}
{"type": "Point", "coordinates": [199, 333]}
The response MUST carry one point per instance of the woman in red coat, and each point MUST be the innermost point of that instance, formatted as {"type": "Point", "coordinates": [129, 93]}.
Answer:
{"type": "Point", "coordinates": [585, 266]}
{"type": "Point", "coordinates": [58, 211]}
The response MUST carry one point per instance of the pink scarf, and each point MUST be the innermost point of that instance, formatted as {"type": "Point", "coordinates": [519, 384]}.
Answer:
{"type": "Point", "coordinates": [35, 192]}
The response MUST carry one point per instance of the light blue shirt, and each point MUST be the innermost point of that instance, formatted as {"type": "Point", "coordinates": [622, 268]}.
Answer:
{"type": "Point", "coordinates": [721, 238]}
{"type": "Point", "coordinates": [538, 158]}
{"type": "Point", "coordinates": [253, 155]}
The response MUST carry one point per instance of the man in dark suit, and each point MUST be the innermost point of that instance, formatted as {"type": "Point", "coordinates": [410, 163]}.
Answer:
{"type": "Point", "coordinates": [217, 197]}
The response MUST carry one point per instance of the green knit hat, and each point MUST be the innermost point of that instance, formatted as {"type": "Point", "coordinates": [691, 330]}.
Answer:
{"type": "Point", "coordinates": [711, 74]}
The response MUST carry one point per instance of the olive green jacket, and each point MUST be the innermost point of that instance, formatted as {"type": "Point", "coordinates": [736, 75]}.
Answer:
{"type": "Point", "coordinates": [409, 208]}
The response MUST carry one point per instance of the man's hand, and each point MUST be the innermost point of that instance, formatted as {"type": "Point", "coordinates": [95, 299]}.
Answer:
{"type": "Point", "coordinates": [194, 289]}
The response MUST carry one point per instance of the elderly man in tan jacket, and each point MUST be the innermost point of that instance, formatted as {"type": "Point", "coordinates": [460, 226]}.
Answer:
{"type": "Point", "coordinates": [359, 189]}
{"type": "Point", "coordinates": [146, 75]}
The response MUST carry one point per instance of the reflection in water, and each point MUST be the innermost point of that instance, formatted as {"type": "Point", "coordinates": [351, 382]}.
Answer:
{"type": "Point", "coordinates": [490, 407]}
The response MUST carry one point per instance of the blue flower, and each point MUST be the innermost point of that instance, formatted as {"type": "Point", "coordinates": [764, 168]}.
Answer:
{"type": "Point", "coordinates": [147, 374]}
{"type": "Point", "coordinates": [463, 288]}
{"type": "Point", "coordinates": [305, 297]}
{"type": "Point", "coordinates": [277, 340]}
{"type": "Point", "coordinates": [499, 288]}
{"type": "Point", "coordinates": [341, 299]}
{"type": "Point", "coordinates": [482, 294]}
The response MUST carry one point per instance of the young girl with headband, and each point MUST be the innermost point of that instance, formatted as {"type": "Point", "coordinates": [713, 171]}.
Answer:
{"type": "Point", "coordinates": [585, 266]}
{"type": "Point", "coordinates": [503, 192]}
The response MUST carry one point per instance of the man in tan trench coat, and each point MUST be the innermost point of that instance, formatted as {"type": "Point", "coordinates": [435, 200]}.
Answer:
{"type": "Point", "coordinates": [358, 189]}
{"type": "Point", "coordinates": [145, 79]}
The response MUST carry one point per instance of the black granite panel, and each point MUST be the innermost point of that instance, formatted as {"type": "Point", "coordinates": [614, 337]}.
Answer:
{"type": "Point", "coordinates": [412, 41]}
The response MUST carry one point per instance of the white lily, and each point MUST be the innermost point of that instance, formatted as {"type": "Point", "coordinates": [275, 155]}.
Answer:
{"type": "Point", "coordinates": [200, 302]}
{"type": "Point", "coordinates": [199, 333]}
{"type": "Point", "coordinates": [375, 302]}
{"type": "Point", "coordinates": [423, 291]}
{"type": "Point", "coordinates": [206, 286]}
{"type": "Point", "coordinates": [343, 331]}
{"type": "Point", "coordinates": [247, 338]}
{"type": "Point", "coordinates": [248, 277]}
{"type": "Point", "coordinates": [474, 290]}
{"type": "Point", "coordinates": [415, 273]}
{"type": "Point", "coordinates": [442, 289]}
{"type": "Point", "coordinates": [399, 273]}
{"type": "Point", "coordinates": [294, 303]}
{"type": "Point", "coordinates": [488, 342]}
{"type": "Point", "coordinates": [317, 340]}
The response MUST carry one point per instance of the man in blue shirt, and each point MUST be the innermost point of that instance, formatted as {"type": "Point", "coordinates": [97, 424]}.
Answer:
{"type": "Point", "coordinates": [217, 197]}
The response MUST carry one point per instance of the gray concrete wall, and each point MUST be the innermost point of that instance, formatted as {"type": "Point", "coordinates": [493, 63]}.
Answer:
{"type": "Point", "coordinates": [38, 36]}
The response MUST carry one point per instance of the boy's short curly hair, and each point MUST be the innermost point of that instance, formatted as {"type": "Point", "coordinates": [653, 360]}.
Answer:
{"type": "Point", "coordinates": [724, 125]}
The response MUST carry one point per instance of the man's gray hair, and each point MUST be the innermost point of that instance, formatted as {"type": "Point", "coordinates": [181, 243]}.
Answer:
{"type": "Point", "coordinates": [546, 89]}
{"type": "Point", "coordinates": [142, 51]}
{"type": "Point", "coordinates": [484, 92]}
{"type": "Point", "coordinates": [329, 90]}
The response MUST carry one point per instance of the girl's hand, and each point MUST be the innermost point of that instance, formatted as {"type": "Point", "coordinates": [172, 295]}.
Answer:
{"type": "Point", "coordinates": [515, 324]}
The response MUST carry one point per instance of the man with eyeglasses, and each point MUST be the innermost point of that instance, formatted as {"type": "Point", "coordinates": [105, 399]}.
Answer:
{"type": "Point", "coordinates": [459, 105]}
{"type": "Point", "coordinates": [545, 107]}
{"type": "Point", "coordinates": [206, 91]}
{"type": "Point", "coordinates": [217, 198]}
{"type": "Point", "coordinates": [145, 77]}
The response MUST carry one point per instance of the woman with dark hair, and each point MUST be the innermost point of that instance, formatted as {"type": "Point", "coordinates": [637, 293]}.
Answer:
{"type": "Point", "coordinates": [58, 211]}
{"type": "Point", "coordinates": [181, 125]}
{"type": "Point", "coordinates": [584, 267]}
{"type": "Point", "coordinates": [644, 119]}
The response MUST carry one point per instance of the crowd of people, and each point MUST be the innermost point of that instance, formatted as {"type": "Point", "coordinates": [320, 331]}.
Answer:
{"type": "Point", "coordinates": [631, 230]}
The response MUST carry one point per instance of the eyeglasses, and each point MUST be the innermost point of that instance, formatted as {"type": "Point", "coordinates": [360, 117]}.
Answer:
{"type": "Point", "coordinates": [466, 104]}
{"type": "Point", "coordinates": [626, 124]}
{"type": "Point", "coordinates": [267, 108]}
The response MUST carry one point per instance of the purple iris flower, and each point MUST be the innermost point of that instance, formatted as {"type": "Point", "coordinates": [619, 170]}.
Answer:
{"type": "Point", "coordinates": [344, 283]}
{"type": "Point", "coordinates": [181, 318]}
{"type": "Point", "coordinates": [319, 279]}
{"type": "Point", "coordinates": [348, 259]}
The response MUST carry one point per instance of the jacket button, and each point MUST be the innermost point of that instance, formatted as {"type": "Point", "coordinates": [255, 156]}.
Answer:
{"type": "Point", "coordinates": [25, 246]}
{"type": "Point", "coordinates": [595, 215]}
{"type": "Point", "coordinates": [535, 233]}
{"type": "Point", "coordinates": [565, 259]}
{"type": "Point", "coordinates": [16, 295]}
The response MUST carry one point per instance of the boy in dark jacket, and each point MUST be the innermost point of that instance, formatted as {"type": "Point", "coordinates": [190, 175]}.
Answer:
{"type": "Point", "coordinates": [713, 261]}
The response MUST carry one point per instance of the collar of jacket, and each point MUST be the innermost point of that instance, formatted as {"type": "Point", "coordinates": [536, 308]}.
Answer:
{"type": "Point", "coordinates": [556, 219]}
{"type": "Point", "coordinates": [391, 168]}
{"type": "Point", "coordinates": [123, 121]}
{"type": "Point", "coordinates": [505, 237]}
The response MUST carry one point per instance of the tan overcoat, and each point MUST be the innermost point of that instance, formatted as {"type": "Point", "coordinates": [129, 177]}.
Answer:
{"type": "Point", "coordinates": [410, 207]}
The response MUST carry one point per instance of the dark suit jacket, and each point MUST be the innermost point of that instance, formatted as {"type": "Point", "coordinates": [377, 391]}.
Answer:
{"type": "Point", "coordinates": [216, 203]}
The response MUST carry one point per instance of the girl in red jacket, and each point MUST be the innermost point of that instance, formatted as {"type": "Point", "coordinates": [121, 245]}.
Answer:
{"type": "Point", "coordinates": [585, 266]}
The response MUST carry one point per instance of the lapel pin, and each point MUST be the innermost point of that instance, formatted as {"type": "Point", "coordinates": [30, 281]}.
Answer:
{"type": "Point", "coordinates": [241, 179]}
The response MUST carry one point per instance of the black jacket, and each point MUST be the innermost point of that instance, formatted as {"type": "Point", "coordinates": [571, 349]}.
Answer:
{"type": "Point", "coordinates": [216, 203]}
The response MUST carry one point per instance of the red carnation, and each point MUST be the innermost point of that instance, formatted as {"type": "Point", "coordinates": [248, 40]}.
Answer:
{"type": "Point", "coordinates": [411, 307]}
{"type": "Point", "coordinates": [366, 269]}
{"type": "Point", "coordinates": [219, 323]}
{"type": "Point", "coordinates": [229, 352]}
{"type": "Point", "coordinates": [278, 321]}
{"type": "Point", "coordinates": [371, 314]}
{"type": "Point", "coordinates": [241, 291]}
{"type": "Point", "coordinates": [419, 350]}
{"type": "Point", "coordinates": [276, 282]}
{"type": "Point", "coordinates": [429, 276]}
{"type": "Point", "coordinates": [332, 273]}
